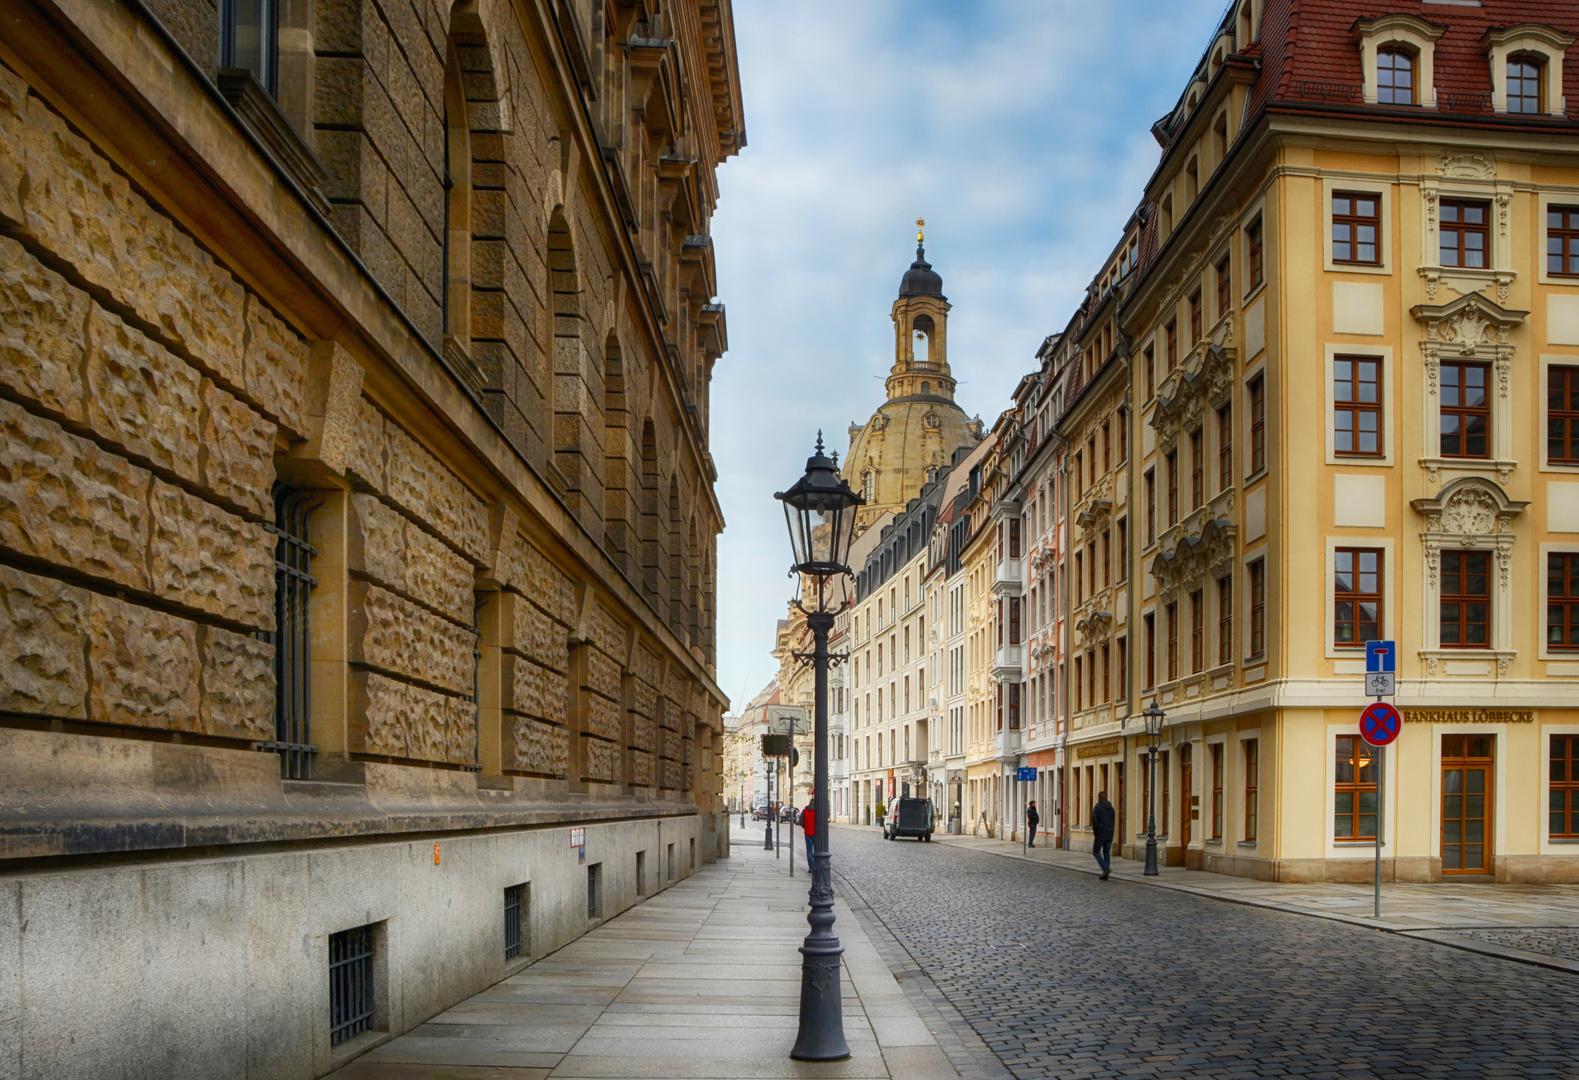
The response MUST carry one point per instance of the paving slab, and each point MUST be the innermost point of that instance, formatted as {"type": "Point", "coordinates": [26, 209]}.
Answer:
{"type": "Point", "coordinates": [700, 982]}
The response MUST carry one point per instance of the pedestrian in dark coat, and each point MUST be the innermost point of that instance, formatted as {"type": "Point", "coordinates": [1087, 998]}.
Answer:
{"type": "Point", "coordinates": [1102, 819]}
{"type": "Point", "coordinates": [1032, 820]}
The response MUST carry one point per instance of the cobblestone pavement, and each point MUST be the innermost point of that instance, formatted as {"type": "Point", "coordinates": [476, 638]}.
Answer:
{"type": "Point", "coordinates": [1063, 975]}
{"type": "Point", "coordinates": [1561, 941]}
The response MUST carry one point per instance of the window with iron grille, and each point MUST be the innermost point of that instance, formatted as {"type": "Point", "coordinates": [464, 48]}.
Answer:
{"type": "Point", "coordinates": [594, 893]}
{"type": "Point", "coordinates": [515, 910]}
{"type": "Point", "coordinates": [641, 859]}
{"type": "Point", "coordinates": [350, 983]}
{"type": "Point", "coordinates": [293, 583]}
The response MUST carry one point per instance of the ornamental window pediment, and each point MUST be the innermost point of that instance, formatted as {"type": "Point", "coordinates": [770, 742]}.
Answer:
{"type": "Point", "coordinates": [1397, 59]}
{"type": "Point", "coordinates": [1527, 68]}
{"type": "Point", "coordinates": [1471, 514]}
{"type": "Point", "coordinates": [1191, 558]}
{"type": "Point", "coordinates": [1466, 236]}
{"type": "Point", "coordinates": [1477, 331]}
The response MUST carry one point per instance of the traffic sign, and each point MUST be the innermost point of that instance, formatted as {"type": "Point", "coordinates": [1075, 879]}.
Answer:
{"type": "Point", "coordinates": [1381, 656]}
{"type": "Point", "coordinates": [1026, 773]}
{"type": "Point", "coordinates": [1381, 683]}
{"type": "Point", "coordinates": [1380, 723]}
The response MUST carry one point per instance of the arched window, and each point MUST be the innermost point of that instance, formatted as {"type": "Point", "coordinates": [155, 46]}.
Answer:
{"type": "Point", "coordinates": [1395, 77]}
{"type": "Point", "coordinates": [1526, 89]}
{"type": "Point", "coordinates": [926, 387]}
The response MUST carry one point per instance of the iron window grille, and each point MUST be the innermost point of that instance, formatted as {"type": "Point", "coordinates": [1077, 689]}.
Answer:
{"type": "Point", "coordinates": [350, 983]}
{"type": "Point", "coordinates": [293, 584]}
{"type": "Point", "coordinates": [514, 904]}
{"type": "Point", "coordinates": [592, 888]}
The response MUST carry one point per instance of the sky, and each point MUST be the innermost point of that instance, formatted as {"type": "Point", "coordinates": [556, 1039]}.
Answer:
{"type": "Point", "coordinates": [1019, 129]}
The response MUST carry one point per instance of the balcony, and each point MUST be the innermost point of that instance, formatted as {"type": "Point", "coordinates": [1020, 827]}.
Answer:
{"type": "Point", "coordinates": [1006, 662]}
{"type": "Point", "coordinates": [1010, 579]}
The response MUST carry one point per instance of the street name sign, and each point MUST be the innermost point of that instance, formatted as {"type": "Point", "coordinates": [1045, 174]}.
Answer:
{"type": "Point", "coordinates": [1380, 723]}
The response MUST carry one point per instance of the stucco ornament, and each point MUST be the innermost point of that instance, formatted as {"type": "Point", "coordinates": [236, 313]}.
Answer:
{"type": "Point", "coordinates": [1467, 329]}
{"type": "Point", "coordinates": [1470, 511]}
{"type": "Point", "coordinates": [1466, 165]}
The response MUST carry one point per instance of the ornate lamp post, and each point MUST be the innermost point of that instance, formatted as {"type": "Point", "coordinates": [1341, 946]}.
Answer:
{"type": "Point", "coordinates": [1154, 718]}
{"type": "Point", "coordinates": [772, 815]}
{"type": "Point", "coordinates": [820, 512]}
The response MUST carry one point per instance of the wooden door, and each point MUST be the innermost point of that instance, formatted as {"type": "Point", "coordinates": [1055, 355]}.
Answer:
{"type": "Point", "coordinates": [1466, 804]}
{"type": "Point", "coordinates": [1186, 791]}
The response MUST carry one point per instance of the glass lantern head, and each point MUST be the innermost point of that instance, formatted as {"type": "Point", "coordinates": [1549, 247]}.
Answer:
{"type": "Point", "coordinates": [1154, 717]}
{"type": "Point", "coordinates": [820, 512]}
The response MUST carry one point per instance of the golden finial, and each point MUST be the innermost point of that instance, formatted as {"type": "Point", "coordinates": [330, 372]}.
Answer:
{"type": "Point", "coordinates": [921, 224]}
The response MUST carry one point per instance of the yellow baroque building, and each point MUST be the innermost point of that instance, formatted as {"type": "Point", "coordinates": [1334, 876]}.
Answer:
{"type": "Point", "coordinates": [1350, 309]}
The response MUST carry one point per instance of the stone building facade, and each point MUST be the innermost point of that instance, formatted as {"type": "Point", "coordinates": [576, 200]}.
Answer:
{"type": "Point", "coordinates": [357, 526]}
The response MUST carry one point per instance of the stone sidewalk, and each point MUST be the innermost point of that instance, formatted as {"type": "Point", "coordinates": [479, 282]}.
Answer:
{"type": "Point", "coordinates": [1536, 924]}
{"type": "Point", "coordinates": [701, 981]}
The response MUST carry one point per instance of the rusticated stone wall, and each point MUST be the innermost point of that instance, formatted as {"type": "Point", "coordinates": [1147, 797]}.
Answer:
{"type": "Point", "coordinates": [143, 392]}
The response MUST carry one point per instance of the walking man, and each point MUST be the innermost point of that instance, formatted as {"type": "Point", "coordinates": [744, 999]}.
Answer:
{"type": "Point", "coordinates": [1102, 818]}
{"type": "Point", "coordinates": [1032, 820]}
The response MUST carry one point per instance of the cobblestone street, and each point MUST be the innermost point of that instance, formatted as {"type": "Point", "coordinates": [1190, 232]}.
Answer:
{"type": "Point", "coordinates": [1064, 975]}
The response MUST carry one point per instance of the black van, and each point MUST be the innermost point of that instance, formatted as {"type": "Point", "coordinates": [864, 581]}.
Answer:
{"type": "Point", "coordinates": [909, 817]}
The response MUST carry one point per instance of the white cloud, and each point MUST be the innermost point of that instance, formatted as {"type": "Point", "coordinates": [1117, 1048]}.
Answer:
{"type": "Point", "coordinates": [1019, 129]}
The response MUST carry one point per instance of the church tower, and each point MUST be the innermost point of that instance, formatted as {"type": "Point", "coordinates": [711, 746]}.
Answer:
{"type": "Point", "coordinates": [912, 436]}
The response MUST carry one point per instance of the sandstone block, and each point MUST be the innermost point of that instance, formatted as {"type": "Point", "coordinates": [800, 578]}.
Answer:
{"type": "Point", "coordinates": [550, 587]}
{"type": "Point", "coordinates": [395, 635]}
{"type": "Point", "coordinates": [601, 760]}
{"type": "Point", "coordinates": [65, 501]}
{"type": "Point", "coordinates": [334, 389]}
{"type": "Point", "coordinates": [669, 775]}
{"type": "Point", "coordinates": [604, 718]}
{"type": "Point", "coordinates": [141, 396]}
{"type": "Point", "coordinates": [607, 632]}
{"type": "Point", "coordinates": [419, 482]}
{"type": "Point", "coordinates": [43, 666]}
{"type": "Point", "coordinates": [383, 710]}
{"type": "Point", "coordinates": [274, 362]}
{"type": "Point", "coordinates": [238, 451]}
{"type": "Point", "coordinates": [603, 675]}
{"type": "Point", "coordinates": [210, 559]}
{"type": "Point", "coordinates": [643, 733]}
{"type": "Point", "coordinates": [13, 166]}
{"type": "Point", "coordinates": [377, 545]}
{"type": "Point", "coordinates": [536, 635]}
{"type": "Point", "coordinates": [688, 726]}
{"type": "Point", "coordinates": [641, 768]}
{"type": "Point", "coordinates": [365, 452]}
{"type": "Point", "coordinates": [436, 575]}
{"type": "Point", "coordinates": [143, 667]}
{"type": "Point", "coordinates": [538, 691]}
{"type": "Point", "coordinates": [541, 749]}
{"type": "Point", "coordinates": [669, 747]}
{"type": "Point", "coordinates": [42, 330]}
{"type": "Point", "coordinates": [645, 697]}
{"type": "Point", "coordinates": [238, 685]}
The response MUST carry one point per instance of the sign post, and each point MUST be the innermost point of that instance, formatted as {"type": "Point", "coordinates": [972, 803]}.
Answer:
{"type": "Point", "coordinates": [1380, 724]}
{"type": "Point", "coordinates": [1025, 774]}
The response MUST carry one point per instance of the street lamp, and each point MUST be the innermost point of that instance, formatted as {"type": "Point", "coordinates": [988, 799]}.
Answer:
{"type": "Point", "coordinates": [820, 512]}
{"type": "Point", "coordinates": [1154, 718]}
{"type": "Point", "coordinates": [767, 782]}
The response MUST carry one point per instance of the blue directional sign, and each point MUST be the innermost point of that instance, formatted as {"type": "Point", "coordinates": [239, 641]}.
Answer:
{"type": "Point", "coordinates": [1381, 656]}
{"type": "Point", "coordinates": [1026, 773]}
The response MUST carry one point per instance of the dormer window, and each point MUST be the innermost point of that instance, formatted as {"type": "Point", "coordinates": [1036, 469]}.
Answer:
{"type": "Point", "coordinates": [1526, 74]}
{"type": "Point", "coordinates": [1395, 77]}
{"type": "Point", "coordinates": [1527, 69]}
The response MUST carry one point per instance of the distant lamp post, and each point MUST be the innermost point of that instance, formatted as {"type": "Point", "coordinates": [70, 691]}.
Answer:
{"type": "Point", "coordinates": [820, 512]}
{"type": "Point", "coordinates": [772, 814]}
{"type": "Point", "coordinates": [1154, 718]}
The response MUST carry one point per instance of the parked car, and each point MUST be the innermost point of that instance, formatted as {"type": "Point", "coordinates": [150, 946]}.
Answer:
{"type": "Point", "coordinates": [909, 817]}
{"type": "Point", "coordinates": [786, 812]}
{"type": "Point", "coordinates": [759, 813]}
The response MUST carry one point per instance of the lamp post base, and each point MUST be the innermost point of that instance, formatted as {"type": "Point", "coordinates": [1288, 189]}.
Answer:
{"type": "Point", "coordinates": [1151, 857]}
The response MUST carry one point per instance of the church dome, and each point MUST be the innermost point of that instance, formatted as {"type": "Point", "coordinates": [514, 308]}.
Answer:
{"type": "Point", "coordinates": [921, 279]}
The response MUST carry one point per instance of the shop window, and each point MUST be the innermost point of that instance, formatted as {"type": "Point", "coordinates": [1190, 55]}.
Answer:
{"type": "Point", "coordinates": [1563, 784]}
{"type": "Point", "coordinates": [1252, 788]}
{"type": "Point", "coordinates": [1355, 800]}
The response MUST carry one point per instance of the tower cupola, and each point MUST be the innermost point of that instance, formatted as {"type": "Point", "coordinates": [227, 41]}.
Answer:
{"type": "Point", "coordinates": [921, 332]}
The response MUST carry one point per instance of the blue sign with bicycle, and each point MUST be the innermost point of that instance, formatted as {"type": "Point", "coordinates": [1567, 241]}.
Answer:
{"type": "Point", "coordinates": [1026, 774]}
